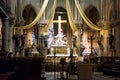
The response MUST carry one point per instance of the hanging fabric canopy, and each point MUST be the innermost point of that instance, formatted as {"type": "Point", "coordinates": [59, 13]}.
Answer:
{"type": "Point", "coordinates": [72, 25]}
{"type": "Point", "coordinates": [42, 10]}
{"type": "Point", "coordinates": [51, 17]}
{"type": "Point", "coordinates": [85, 18]}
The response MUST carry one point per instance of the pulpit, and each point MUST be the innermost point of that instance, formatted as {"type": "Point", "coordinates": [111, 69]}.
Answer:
{"type": "Point", "coordinates": [84, 71]}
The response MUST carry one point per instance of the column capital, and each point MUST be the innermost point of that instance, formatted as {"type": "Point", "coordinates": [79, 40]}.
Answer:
{"type": "Point", "coordinates": [12, 19]}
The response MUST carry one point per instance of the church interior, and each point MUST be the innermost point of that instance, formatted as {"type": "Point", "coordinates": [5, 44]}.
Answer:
{"type": "Point", "coordinates": [59, 40]}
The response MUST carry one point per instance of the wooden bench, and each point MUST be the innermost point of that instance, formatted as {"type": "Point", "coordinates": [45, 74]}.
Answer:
{"type": "Point", "coordinates": [24, 68]}
{"type": "Point", "coordinates": [110, 65]}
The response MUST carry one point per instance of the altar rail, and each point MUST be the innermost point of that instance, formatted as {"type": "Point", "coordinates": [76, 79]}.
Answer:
{"type": "Point", "coordinates": [57, 58]}
{"type": "Point", "coordinates": [109, 65]}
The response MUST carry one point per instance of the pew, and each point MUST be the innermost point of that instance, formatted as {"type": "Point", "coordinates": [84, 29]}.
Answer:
{"type": "Point", "coordinates": [109, 65]}
{"type": "Point", "coordinates": [23, 68]}
{"type": "Point", "coordinates": [6, 76]}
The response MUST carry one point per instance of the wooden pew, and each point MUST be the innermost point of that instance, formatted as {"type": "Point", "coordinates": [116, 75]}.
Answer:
{"type": "Point", "coordinates": [109, 65]}
{"type": "Point", "coordinates": [24, 68]}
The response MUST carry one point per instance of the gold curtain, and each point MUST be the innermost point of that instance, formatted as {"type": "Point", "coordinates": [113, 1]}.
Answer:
{"type": "Point", "coordinates": [42, 10]}
{"type": "Point", "coordinates": [72, 25]}
{"type": "Point", "coordinates": [51, 18]}
{"type": "Point", "coordinates": [84, 17]}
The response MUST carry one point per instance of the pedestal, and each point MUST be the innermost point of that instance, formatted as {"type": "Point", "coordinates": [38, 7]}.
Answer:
{"type": "Point", "coordinates": [84, 71]}
{"type": "Point", "coordinates": [22, 53]}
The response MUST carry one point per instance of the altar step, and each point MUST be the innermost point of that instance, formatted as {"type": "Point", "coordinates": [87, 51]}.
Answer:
{"type": "Point", "coordinates": [57, 58]}
{"type": "Point", "coordinates": [96, 76]}
{"type": "Point", "coordinates": [57, 76]}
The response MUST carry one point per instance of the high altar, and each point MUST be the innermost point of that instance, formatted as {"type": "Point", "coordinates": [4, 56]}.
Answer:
{"type": "Point", "coordinates": [59, 46]}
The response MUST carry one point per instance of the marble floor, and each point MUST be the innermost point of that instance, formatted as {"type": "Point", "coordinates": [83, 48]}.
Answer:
{"type": "Point", "coordinates": [101, 76]}
{"type": "Point", "coordinates": [96, 76]}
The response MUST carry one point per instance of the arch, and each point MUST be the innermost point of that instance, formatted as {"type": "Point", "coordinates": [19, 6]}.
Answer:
{"type": "Point", "coordinates": [92, 13]}
{"type": "Point", "coordinates": [29, 14]}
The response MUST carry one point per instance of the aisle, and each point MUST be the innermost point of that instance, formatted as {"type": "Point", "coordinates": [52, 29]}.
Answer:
{"type": "Point", "coordinates": [96, 76]}
{"type": "Point", "coordinates": [56, 75]}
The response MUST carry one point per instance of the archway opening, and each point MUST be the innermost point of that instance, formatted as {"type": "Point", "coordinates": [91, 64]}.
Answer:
{"type": "Point", "coordinates": [29, 15]}
{"type": "Point", "coordinates": [88, 33]}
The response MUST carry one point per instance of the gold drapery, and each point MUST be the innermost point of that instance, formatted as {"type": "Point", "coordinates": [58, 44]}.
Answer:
{"type": "Point", "coordinates": [51, 17]}
{"type": "Point", "coordinates": [84, 17]}
{"type": "Point", "coordinates": [72, 25]}
{"type": "Point", "coordinates": [42, 10]}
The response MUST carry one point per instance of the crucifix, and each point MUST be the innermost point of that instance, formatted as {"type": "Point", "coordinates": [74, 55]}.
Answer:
{"type": "Point", "coordinates": [59, 21]}
{"type": "Point", "coordinates": [91, 40]}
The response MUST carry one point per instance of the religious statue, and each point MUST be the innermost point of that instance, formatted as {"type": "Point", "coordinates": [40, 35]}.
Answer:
{"type": "Point", "coordinates": [60, 39]}
{"type": "Point", "coordinates": [111, 38]}
{"type": "Point", "coordinates": [35, 50]}
{"type": "Point", "coordinates": [74, 40]}
{"type": "Point", "coordinates": [100, 41]}
{"type": "Point", "coordinates": [45, 40]}
{"type": "Point", "coordinates": [17, 41]}
{"type": "Point", "coordinates": [50, 37]}
{"type": "Point", "coordinates": [23, 40]}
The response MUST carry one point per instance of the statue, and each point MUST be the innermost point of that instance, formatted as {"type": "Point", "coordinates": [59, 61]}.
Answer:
{"type": "Point", "coordinates": [45, 41]}
{"type": "Point", "coordinates": [34, 49]}
{"type": "Point", "coordinates": [100, 41]}
{"type": "Point", "coordinates": [111, 38]}
{"type": "Point", "coordinates": [74, 40]}
{"type": "Point", "coordinates": [60, 39]}
{"type": "Point", "coordinates": [17, 42]}
{"type": "Point", "coordinates": [23, 40]}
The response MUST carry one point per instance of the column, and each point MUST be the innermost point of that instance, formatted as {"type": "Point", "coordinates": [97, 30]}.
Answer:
{"type": "Point", "coordinates": [11, 23]}
{"type": "Point", "coordinates": [117, 27]}
{"type": "Point", "coordinates": [6, 36]}
{"type": "Point", "coordinates": [117, 40]}
{"type": "Point", "coordinates": [41, 38]}
{"type": "Point", "coordinates": [105, 43]}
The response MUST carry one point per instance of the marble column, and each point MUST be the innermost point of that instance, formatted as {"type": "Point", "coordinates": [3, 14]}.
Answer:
{"type": "Point", "coordinates": [6, 34]}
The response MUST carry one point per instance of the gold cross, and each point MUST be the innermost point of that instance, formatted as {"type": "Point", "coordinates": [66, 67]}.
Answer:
{"type": "Point", "coordinates": [59, 21]}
